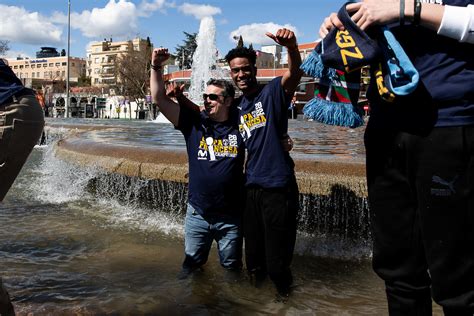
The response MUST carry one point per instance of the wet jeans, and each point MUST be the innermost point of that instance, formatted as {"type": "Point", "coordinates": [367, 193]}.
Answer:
{"type": "Point", "coordinates": [21, 125]}
{"type": "Point", "coordinates": [201, 231]}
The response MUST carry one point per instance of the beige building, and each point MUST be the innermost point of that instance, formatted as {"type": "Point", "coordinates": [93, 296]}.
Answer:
{"type": "Point", "coordinates": [48, 68]}
{"type": "Point", "coordinates": [101, 58]}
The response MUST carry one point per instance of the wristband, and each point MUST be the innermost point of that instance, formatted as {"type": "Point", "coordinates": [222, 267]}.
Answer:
{"type": "Point", "coordinates": [417, 12]}
{"type": "Point", "coordinates": [402, 12]}
{"type": "Point", "coordinates": [155, 67]}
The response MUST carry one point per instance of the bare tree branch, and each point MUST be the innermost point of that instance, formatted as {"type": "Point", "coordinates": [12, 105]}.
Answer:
{"type": "Point", "coordinates": [4, 47]}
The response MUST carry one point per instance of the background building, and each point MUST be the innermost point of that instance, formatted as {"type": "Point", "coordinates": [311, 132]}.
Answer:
{"type": "Point", "coordinates": [48, 68]}
{"type": "Point", "coordinates": [102, 57]}
{"type": "Point", "coordinates": [49, 52]}
{"type": "Point", "coordinates": [276, 52]}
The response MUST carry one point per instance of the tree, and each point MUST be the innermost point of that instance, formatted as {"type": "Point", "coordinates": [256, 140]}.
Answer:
{"type": "Point", "coordinates": [240, 43]}
{"type": "Point", "coordinates": [84, 81]}
{"type": "Point", "coordinates": [133, 71]}
{"type": "Point", "coordinates": [184, 53]}
{"type": "Point", "coordinates": [4, 47]}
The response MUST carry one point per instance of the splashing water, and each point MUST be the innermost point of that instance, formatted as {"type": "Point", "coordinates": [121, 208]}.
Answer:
{"type": "Point", "coordinates": [204, 60]}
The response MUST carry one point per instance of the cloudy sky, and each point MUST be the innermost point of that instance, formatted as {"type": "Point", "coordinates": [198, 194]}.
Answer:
{"type": "Point", "coordinates": [30, 24]}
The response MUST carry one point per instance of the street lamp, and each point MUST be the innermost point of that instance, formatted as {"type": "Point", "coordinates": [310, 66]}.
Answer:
{"type": "Point", "coordinates": [66, 112]}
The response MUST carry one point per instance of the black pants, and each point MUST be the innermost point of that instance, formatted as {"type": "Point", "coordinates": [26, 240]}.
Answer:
{"type": "Point", "coordinates": [270, 232]}
{"type": "Point", "coordinates": [421, 195]}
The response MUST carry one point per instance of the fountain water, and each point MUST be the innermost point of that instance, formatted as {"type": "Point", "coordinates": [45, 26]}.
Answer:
{"type": "Point", "coordinates": [204, 64]}
{"type": "Point", "coordinates": [204, 60]}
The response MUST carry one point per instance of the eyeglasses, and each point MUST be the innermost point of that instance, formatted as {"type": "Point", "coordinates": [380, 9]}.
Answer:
{"type": "Point", "coordinates": [212, 96]}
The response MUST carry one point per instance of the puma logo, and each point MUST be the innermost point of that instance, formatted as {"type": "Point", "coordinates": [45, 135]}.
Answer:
{"type": "Point", "coordinates": [448, 184]}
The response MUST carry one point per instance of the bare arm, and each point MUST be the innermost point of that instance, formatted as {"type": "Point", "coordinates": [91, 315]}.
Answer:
{"type": "Point", "coordinates": [168, 107]}
{"type": "Point", "coordinates": [292, 77]}
{"type": "Point", "coordinates": [380, 12]}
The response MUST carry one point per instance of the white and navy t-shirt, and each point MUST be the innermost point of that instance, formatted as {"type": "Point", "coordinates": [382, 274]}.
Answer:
{"type": "Point", "coordinates": [262, 122]}
{"type": "Point", "coordinates": [216, 157]}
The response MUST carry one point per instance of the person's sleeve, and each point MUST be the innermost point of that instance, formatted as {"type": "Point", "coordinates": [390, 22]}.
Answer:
{"type": "Point", "coordinates": [186, 119]}
{"type": "Point", "coordinates": [458, 23]}
{"type": "Point", "coordinates": [285, 99]}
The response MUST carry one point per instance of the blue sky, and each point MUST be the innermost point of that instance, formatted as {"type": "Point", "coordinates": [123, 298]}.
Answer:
{"type": "Point", "coordinates": [30, 24]}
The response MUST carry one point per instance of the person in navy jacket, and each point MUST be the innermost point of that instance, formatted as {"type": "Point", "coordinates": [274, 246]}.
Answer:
{"type": "Point", "coordinates": [420, 158]}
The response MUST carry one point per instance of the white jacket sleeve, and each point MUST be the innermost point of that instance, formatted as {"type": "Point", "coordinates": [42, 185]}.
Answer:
{"type": "Point", "coordinates": [458, 23]}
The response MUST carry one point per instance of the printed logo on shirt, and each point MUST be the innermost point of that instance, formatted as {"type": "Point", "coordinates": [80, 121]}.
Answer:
{"type": "Point", "coordinates": [448, 189]}
{"type": "Point", "coordinates": [211, 149]}
{"type": "Point", "coordinates": [252, 120]}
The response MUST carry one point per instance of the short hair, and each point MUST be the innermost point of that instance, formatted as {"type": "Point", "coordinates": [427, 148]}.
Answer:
{"type": "Point", "coordinates": [243, 52]}
{"type": "Point", "coordinates": [224, 84]}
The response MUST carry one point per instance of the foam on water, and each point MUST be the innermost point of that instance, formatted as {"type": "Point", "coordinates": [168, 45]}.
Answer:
{"type": "Point", "coordinates": [56, 182]}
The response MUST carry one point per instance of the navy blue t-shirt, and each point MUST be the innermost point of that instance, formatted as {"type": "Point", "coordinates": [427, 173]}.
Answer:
{"type": "Point", "coordinates": [9, 83]}
{"type": "Point", "coordinates": [263, 121]}
{"type": "Point", "coordinates": [216, 157]}
{"type": "Point", "coordinates": [446, 69]}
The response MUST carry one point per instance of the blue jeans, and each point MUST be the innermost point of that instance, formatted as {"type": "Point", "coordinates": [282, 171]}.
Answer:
{"type": "Point", "coordinates": [199, 234]}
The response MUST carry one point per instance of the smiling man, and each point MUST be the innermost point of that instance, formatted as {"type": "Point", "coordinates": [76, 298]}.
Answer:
{"type": "Point", "coordinates": [272, 193]}
{"type": "Point", "coordinates": [216, 155]}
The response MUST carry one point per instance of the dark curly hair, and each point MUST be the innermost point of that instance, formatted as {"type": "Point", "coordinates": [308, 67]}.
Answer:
{"type": "Point", "coordinates": [243, 52]}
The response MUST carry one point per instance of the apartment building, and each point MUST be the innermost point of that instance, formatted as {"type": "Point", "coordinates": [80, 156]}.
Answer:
{"type": "Point", "coordinates": [48, 68]}
{"type": "Point", "coordinates": [102, 56]}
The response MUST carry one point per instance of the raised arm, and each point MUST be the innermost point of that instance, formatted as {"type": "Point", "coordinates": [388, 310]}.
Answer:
{"type": "Point", "coordinates": [168, 107]}
{"type": "Point", "coordinates": [292, 77]}
{"type": "Point", "coordinates": [450, 21]}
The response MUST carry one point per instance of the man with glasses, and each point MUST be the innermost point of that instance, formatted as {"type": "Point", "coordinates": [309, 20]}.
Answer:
{"type": "Point", "coordinates": [272, 193]}
{"type": "Point", "coordinates": [216, 156]}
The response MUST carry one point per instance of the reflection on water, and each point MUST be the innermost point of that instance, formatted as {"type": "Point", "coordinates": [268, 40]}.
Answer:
{"type": "Point", "coordinates": [312, 140]}
{"type": "Point", "coordinates": [66, 251]}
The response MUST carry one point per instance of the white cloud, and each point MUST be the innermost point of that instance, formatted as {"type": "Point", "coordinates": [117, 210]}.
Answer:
{"type": "Point", "coordinates": [58, 18]}
{"type": "Point", "coordinates": [146, 8]}
{"type": "Point", "coordinates": [115, 19]}
{"type": "Point", "coordinates": [21, 26]}
{"type": "Point", "coordinates": [199, 11]}
{"type": "Point", "coordinates": [16, 53]}
{"type": "Point", "coordinates": [255, 33]}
